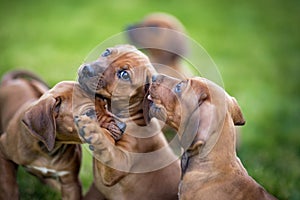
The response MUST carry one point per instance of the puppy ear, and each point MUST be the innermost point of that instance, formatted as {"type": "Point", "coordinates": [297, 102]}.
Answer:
{"type": "Point", "coordinates": [202, 97]}
{"type": "Point", "coordinates": [236, 112]}
{"type": "Point", "coordinates": [200, 88]}
{"type": "Point", "coordinates": [200, 121]}
{"type": "Point", "coordinates": [207, 120]}
{"type": "Point", "coordinates": [39, 120]}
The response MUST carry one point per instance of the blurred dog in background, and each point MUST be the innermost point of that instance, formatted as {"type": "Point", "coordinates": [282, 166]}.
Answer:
{"type": "Point", "coordinates": [163, 38]}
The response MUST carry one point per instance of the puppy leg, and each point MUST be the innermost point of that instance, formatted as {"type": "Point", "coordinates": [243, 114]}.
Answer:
{"type": "Point", "coordinates": [71, 187]}
{"type": "Point", "coordinates": [53, 183]}
{"type": "Point", "coordinates": [105, 151]}
{"type": "Point", "coordinates": [8, 179]}
{"type": "Point", "coordinates": [93, 193]}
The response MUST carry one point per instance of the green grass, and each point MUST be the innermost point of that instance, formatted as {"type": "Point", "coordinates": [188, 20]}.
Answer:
{"type": "Point", "coordinates": [255, 44]}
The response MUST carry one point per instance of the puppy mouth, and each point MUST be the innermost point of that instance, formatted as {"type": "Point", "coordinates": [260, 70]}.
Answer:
{"type": "Point", "coordinates": [94, 86]}
{"type": "Point", "coordinates": [156, 109]}
{"type": "Point", "coordinates": [107, 120]}
{"type": "Point", "coordinates": [89, 85]}
{"type": "Point", "coordinates": [114, 125]}
{"type": "Point", "coordinates": [116, 130]}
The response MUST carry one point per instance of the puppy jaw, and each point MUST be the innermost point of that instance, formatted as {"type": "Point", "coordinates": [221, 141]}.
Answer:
{"type": "Point", "coordinates": [164, 104]}
{"type": "Point", "coordinates": [109, 121]}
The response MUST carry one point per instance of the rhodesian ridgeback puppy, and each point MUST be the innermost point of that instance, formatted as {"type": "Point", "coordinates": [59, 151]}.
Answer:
{"type": "Point", "coordinates": [204, 116]}
{"type": "Point", "coordinates": [38, 132]}
{"type": "Point", "coordinates": [163, 37]}
{"type": "Point", "coordinates": [140, 165]}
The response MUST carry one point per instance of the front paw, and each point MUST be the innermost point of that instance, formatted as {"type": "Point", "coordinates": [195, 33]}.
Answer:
{"type": "Point", "coordinates": [88, 129]}
{"type": "Point", "coordinates": [99, 139]}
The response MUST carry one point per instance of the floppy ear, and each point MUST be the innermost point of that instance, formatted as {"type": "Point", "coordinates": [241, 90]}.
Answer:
{"type": "Point", "coordinates": [198, 127]}
{"type": "Point", "coordinates": [39, 120]}
{"type": "Point", "coordinates": [199, 123]}
{"type": "Point", "coordinates": [236, 112]}
{"type": "Point", "coordinates": [208, 121]}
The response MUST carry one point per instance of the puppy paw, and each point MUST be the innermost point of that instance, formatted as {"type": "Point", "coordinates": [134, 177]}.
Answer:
{"type": "Point", "coordinates": [97, 138]}
{"type": "Point", "coordinates": [88, 129]}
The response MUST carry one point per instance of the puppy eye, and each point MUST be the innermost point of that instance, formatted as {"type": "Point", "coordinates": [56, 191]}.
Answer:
{"type": "Point", "coordinates": [106, 53]}
{"type": "Point", "coordinates": [124, 75]}
{"type": "Point", "coordinates": [178, 88]}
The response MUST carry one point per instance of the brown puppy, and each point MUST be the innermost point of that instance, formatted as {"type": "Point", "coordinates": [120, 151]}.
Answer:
{"type": "Point", "coordinates": [38, 132]}
{"type": "Point", "coordinates": [204, 115]}
{"type": "Point", "coordinates": [140, 165]}
{"type": "Point", "coordinates": [163, 37]}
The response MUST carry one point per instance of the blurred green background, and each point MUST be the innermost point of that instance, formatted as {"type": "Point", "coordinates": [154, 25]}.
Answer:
{"type": "Point", "coordinates": [255, 44]}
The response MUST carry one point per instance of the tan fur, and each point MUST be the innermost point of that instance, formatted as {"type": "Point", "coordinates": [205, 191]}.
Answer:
{"type": "Point", "coordinates": [211, 168]}
{"type": "Point", "coordinates": [118, 174]}
{"type": "Point", "coordinates": [38, 132]}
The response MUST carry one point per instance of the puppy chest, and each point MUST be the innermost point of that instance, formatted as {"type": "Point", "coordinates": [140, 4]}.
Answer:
{"type": "Point", "coordinates": [46, 172]}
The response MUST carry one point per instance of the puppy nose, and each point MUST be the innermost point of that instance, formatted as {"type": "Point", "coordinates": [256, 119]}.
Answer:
{"type": "Point", "coordinates": [154, 78]}
{"type": "Point", "coordinates": [88, 71]}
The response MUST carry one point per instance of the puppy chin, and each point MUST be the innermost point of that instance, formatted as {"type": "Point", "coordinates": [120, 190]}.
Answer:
{"type": "Point", "coordinates": [158, 112]}
{"type": "Point", "coordinates": [82, 82]}
{"type": "Point", "coordinates": [88, 85]}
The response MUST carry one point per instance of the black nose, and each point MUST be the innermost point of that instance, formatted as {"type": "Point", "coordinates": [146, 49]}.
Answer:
{"type": "Point", "coordinates": [88, 71]}
{"type": "Point", "coordinates": [154, 78]}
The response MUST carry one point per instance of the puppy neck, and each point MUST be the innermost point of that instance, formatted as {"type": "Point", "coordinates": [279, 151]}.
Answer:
{"type": "Point", "coordinates": [217, 152]}
{"type": "Point", "coordinates": [128, 110]}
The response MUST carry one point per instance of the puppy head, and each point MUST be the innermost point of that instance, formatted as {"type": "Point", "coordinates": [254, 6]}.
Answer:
{"type": "Point", "coordinates": [50, 119]}
{"type": "Point", "coordinates": [164, 20]}
{"type": "Point", "coordinates": [121, 74]}
{"type": "Point", "coordinates": [194, 106]}
{"type": "Point", "coordinates": [170, 100]}
{"type": "Point", "coordinates": [161, 34]}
